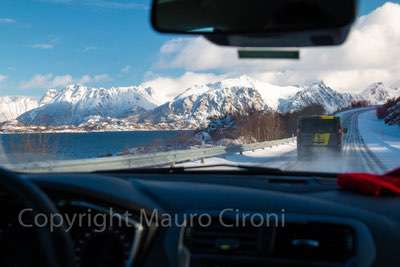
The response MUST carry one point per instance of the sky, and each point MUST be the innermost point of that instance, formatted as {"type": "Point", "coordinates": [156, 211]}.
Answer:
{"type": "Point", "coordinates": [51, 43]}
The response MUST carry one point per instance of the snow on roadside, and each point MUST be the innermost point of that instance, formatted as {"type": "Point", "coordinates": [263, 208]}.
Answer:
{"type": "Point", "coordinates": [383, 140]}
{"type": "Point", "coordinates": [274, 157]}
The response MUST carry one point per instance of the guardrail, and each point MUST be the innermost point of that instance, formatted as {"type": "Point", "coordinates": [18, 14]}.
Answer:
{"type": "Point", "coordinates": [262, 145]}
{"type": "Point", "coordinates": [145, 160]}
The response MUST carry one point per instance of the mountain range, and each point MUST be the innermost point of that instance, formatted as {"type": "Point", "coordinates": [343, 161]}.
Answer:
{"type": "Point", "coordinates": [191, 108]}
{"type": "Point", "coordinates": [76, 103]}
{"type": "Point", "coordinates": [378, 93]}
{"type": "Point", "coordinates": [12, 107]}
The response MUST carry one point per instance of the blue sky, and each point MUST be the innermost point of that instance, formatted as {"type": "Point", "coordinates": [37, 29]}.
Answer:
{"type": "Point", "coordinates": [101, 42]}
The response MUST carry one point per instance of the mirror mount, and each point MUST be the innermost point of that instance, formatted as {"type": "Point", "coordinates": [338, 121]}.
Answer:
{"type": "Point", "coordinates": [328, 37]}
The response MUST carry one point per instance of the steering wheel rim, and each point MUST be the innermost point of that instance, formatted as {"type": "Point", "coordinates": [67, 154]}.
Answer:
{"type": "Point", "coordinates": [57, 245]}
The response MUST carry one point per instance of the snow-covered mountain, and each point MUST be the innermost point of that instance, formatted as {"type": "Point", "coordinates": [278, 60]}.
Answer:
{"type": "Point", "coordinates": [13, 106]}
{"type": "Point", "coordinates": [378, 93]}
{"type": "Point", "coordinates": [316, 93]}
{"type": "Point", "coordinates": [48, 97]}
{"type": "Point", "coordinates": [75, 103]}
{"type": "Point", "coordinates": [195, 106]}
{"type": "Point", "coordinates": [192, 107]}
{"type": "Point", "coordinates": [272, 95]}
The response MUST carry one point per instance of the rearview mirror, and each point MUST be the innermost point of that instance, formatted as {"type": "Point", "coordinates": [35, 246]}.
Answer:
{"type": "Point", "coordinates": [328, 22]}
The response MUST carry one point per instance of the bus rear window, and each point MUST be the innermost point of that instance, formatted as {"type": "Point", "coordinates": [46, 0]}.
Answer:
{"type": "Point", "coordinates": [318, 125]}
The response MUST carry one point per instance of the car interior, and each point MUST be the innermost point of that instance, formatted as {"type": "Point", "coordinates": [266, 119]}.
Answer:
{"type": "Point", "coordinates": [255, 216]}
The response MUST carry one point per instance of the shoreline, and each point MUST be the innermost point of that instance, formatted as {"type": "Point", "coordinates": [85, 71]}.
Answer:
{"type": "Point", "coordinates": [98, 131]}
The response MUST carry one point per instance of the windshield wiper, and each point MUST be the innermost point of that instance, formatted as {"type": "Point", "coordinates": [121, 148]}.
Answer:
{"type": "Point", "coordinates": [185, 169]}
{"type": "Point", "coordinates": [233, 166]}
{"type": "Point", "coordinates": [231, 169]}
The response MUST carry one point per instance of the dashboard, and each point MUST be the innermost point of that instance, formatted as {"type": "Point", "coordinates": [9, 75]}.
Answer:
{"type": "Point", "coordinates": [100, 238]}
{"type": "Point", "coordinates": [322, 225]}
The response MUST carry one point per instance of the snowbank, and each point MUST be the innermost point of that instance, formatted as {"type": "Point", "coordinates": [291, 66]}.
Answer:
{"type": "Point", "coordinates": [276, 157]}
{"type": "Point", "coordinates": [383, 140]}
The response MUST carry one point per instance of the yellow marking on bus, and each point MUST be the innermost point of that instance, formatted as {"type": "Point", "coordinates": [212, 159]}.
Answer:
{"type": "Point", "coordinates": [321, 139]}
{"type": "Point", "coordinates": [327, 117]}
{"type": "Point", "coordinates": [225, 247]}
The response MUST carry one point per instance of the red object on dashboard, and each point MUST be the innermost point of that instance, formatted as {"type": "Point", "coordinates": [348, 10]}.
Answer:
{"type": "Point", "coordinates": [381, 112]}
{"type": "Point", "coordinates": [371, 184]}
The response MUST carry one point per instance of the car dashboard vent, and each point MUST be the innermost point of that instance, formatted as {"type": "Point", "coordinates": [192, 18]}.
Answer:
{"type": "Point", "coordinates": [315, 241]}
{"type": "Point", "coordinates": [218, 239]}
{"type": "Point", "coordinates": [296, 242]}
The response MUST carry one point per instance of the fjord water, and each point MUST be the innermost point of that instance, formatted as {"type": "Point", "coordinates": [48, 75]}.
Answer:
{"type": "Point", "coordinates": [64, 146]}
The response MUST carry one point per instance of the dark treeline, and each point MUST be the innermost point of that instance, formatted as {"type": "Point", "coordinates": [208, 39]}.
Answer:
{"type": "Point", "coordinates": [355, 104]}
{"type": "Point", "coordinates": [262, 126]}
{"type": "Point", "coordinates": [390, 111]}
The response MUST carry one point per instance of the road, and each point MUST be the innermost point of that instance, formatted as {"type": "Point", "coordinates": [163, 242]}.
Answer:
{"type": "Point", "coordinates": [356, 152]}
{"type": "Point", "coordinates": [356, 156]}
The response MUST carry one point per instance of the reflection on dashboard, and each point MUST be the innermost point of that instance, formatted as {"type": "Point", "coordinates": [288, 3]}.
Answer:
{"type": "Point", "coordinates": [101, 236]}
{"type": "Point", "coordinates": [16, 240]}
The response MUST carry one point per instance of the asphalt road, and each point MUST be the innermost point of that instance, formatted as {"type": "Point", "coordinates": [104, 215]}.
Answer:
{"type": "Point", "coordinates": [356, 157]}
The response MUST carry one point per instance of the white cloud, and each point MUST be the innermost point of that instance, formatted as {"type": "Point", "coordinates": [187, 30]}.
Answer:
{"type": "Point", "coordinates": [43, 46]}
{"type": "Point", "coordinates": [50, 44]}
{"type": "Point", "coordinates": [116, 4]}
{"type": "Point", "coordinates": [369, 55]}
{"type": "Point", "coordinates": [36, 81]}
{"type": "Point", "coordinates": [110, 4]}
{"type": "Point", "coordinates": [60, 81]}
{"type": "Point", "coordinates": [102, 78]}
{"type": "Point", "coordinates": [92, 79]}
{"type": "Point", "coordinates": [196, 55]}
{"type": "Point", "coordinates": [85, 79]}
{"type": "Point", "coordinates": [126, 69]}
{"type": "Point", "coordinates": [57, 1]}
{"type": "Point", "coordinates": [89, 48]}
{"type": "Point", "coordinates": [3, 77]}
{"type": "Point", "coordinates": [168, 87]}
{"type": "Point", "coordinates": [46, 81]}
{"type": "Point", "coordinates": [7, 21]}
{"type": "Point", "coordinates": [173, 45]}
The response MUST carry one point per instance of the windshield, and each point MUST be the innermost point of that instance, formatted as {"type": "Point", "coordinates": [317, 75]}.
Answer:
{"type": "Point", "coordinates": [88, 85]}
{"type": "Point", "coordinates": [318, 125]}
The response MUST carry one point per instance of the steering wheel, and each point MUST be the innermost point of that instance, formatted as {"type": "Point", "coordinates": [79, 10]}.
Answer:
{"type": "Point", "coordinates": [57, 245]}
